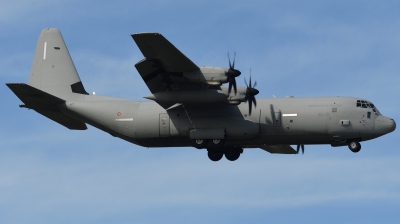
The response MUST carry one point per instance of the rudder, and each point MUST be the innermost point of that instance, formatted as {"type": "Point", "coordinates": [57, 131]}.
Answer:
{"type": "Point", "coordinates": [53, 70]}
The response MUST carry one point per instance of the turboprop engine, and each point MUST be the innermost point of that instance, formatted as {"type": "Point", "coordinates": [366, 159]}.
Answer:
{"type": "Point", "coordinates": [215, 76]}
{"type": "Point", "coordinates": [222, 94]}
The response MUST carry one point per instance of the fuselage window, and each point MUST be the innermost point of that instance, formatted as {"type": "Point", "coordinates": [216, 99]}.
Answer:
{"type": "Point", "coordinates": [366, 104]}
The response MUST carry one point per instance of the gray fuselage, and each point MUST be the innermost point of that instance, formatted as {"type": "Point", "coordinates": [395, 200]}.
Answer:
{"type": "Point", "coordinates": [294, 121]}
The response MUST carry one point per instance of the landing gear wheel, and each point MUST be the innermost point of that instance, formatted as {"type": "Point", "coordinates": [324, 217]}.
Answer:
{"type": "Point", "coordinates": [217, 142]}
{"type": "Point", "coordinates": [215, 156]}
{"type": "Point", "coordinates": [232, 155]}
{"type": "Point", "coordinates": [354, 146]}
{"type": "Point", "coordinates": [200, 143]}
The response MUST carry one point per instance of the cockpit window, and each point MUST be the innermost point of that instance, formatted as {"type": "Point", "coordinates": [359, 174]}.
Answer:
{"type": "Point", "coordinates": [366, 104]}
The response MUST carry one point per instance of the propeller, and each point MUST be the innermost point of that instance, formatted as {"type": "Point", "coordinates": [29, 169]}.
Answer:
{"type": "Point", "coordinates": [302, 149]}
{"type": "Point", "coordinates": [232, 74]}
{"type": "Point", "coordinates": [250, 93]}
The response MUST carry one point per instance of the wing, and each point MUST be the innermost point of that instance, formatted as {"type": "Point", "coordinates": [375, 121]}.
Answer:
{"type": "Point", "coordinates": [164, 65]}
{"type": "Point", "coordinates": [279, 149]}
{"type": "Point", "coordinates": [155, 47]}
{"type": "Point", "coordinates": [166, 72]}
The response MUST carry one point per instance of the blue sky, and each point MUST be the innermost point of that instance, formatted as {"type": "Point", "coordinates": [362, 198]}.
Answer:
{"type": "Point", "coordinates": [49, 174]}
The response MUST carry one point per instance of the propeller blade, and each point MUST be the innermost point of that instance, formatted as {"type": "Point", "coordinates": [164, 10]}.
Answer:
{"type": "Point", "coordinates": [250, 94]}
{"type": "Point", "coordinates": [230, 86]}
{"type": "Point", "coordinates": [249, 102]}
{"type": "Point", "coordinates": [232, 73]}
{"type": "Point", "coordinates": [234, 58]}
{"type": "Point", "coordinates": [254, 101]}
{"type": "Point", "coordinates": [232, 82]}
{"type": "Point", "coordinates": [234, 85]}
{"type": "Point", "coordinates": [298, 148]}
{"type": "Point", "coordinates": [229, 59]}
{"type": "Point", "coordinates": [250, 82]}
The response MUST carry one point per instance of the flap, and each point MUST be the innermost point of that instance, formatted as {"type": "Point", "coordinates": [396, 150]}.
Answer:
{"type": "Point", "coordinates": [279, 149]}
{"type": "Point", "coordinates": [152, 76]}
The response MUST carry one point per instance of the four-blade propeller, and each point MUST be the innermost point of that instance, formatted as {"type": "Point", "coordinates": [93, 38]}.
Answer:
{"type": "Point", "coordinates": [250, 94]}
{"type": "Point", "coordinates": [232, 74]}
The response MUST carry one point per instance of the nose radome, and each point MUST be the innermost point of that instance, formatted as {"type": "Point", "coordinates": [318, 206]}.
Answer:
{"type": "Point", "coordinates": [392, 125]}
{"type": "Point", "coordinates": [384, 124]}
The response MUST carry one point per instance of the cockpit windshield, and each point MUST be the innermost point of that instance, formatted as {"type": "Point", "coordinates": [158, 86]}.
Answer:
{"type": "Point", "coordinates": [367, 104]}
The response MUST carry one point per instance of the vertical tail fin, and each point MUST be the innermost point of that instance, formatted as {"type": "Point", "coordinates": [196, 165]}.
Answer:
{"type": "Point", "coordinates": [53, 70]}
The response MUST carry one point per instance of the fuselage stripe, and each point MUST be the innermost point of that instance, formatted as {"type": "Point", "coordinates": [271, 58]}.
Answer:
{"type": "Point", "coordinates": [124, 119]}
{"type": "Point", "coordinates": [44, 51]}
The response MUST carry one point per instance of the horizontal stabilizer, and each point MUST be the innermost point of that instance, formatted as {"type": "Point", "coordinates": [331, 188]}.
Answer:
{"type": "Point", "coordinates": [34, 98]}
{"type": "Point", "coordinates": [45, 104]}
{"type": "Point", "coordinates": [279, 149]}
{"type": "Point", "coordinates": [64, 120]}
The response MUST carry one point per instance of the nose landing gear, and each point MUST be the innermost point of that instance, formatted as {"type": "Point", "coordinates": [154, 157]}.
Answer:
{"type": "Point", "coordinates": [354, 146]}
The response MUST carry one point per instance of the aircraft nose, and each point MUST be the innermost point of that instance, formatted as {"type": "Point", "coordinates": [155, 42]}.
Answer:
{"type": "Point", "coordinates": [384, 124]}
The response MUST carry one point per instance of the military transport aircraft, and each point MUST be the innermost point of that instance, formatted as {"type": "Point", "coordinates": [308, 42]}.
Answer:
{"type": "Point", "coordinates": [192, 107]}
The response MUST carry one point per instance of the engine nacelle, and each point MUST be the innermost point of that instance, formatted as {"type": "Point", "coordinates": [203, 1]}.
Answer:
{"type": "Point", "coordinates": [214, 76]}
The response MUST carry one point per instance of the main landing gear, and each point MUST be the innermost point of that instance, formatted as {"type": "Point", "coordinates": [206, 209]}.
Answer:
{"type": "Point", "coordinates": [216, 150]}
{"type": "Point", "coordinates": [354, 146]}
{"type": "Point", "coordinates": [231, 153]}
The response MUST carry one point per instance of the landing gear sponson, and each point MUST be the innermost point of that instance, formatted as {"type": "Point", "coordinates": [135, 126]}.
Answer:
{"type": "Point", "coordinates": [216, 150]}
{"type": "Point", "coordinates": [202, 143]}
